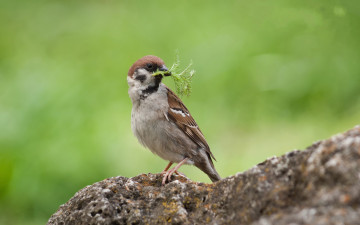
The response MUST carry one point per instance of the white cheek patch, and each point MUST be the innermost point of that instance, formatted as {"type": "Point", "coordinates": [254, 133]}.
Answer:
{"type": "Point", "coordinates": [142, 71]}
{"type": "Point", "coordinates": [179, 111]}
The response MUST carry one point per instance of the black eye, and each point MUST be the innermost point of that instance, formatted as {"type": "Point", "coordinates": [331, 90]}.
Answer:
{"type": "Point", "coordinates": [149, 65]}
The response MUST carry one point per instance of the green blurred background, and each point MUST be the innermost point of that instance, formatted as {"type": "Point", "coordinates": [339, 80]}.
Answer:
{"type": "Point", "coordinates": [272, 76]}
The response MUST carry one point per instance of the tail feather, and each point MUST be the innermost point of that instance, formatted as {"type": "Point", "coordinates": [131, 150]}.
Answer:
{"type": "Point", "coordinates": [208, 167]}
{"type": "Point", "coordinates": [214, 176]}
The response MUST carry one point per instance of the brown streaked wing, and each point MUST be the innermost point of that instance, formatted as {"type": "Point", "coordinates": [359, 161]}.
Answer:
{"type": "Point", "coordinates": [181, 116]}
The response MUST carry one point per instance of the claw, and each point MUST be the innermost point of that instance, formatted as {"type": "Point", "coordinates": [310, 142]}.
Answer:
{"type": "Point", "coordinates": [167, 173]}
{"type": "Point", "coordinates": [180, 174]}
{"type": "Point", "coordinates": [170, 173]}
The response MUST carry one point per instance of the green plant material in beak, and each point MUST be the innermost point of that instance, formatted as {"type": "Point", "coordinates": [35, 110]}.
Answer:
{"type": "Point", "coordinates": [182, 79]}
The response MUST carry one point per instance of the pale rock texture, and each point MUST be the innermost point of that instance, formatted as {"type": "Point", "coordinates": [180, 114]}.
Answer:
{"type": "Point", "coordinates": [319, 185]}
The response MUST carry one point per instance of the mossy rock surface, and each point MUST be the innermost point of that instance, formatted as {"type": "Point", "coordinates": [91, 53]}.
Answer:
{"type": "Point", "coordinates": [319, 185]}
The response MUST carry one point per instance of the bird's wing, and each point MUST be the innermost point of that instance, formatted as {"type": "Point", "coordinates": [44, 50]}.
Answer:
{"type": "Point", "coordinates": [180, 115]}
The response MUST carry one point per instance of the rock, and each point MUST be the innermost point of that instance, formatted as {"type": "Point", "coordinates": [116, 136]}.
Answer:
{"type": "Point", "coordinates": [320, 185]}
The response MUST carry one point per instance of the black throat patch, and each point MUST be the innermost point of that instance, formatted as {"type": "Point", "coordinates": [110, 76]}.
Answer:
{"type": "Point", "coordinates": [151, 89]}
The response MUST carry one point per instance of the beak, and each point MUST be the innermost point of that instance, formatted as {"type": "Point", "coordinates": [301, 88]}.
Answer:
{"type": "Point", "coordinates": [166, 70]}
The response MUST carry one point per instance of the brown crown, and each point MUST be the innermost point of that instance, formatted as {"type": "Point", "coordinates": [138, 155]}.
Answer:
{"type": "Point", "coordinates": [141, 63]}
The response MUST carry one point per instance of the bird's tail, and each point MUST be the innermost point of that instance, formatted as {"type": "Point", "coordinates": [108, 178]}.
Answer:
{"type": "Point", "coordinates": [214, 176]}
{"type": "Point", "coordinates": [208, 167]}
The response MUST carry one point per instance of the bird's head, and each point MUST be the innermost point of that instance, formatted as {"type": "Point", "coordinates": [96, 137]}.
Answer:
{"type": "Point", "coordinates": [141, 72]}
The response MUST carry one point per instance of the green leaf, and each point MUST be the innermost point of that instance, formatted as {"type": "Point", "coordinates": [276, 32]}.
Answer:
{"type": "Point", "coordinates": [182, 79]}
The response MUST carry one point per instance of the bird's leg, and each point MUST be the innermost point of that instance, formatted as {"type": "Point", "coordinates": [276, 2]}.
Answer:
{"type": "Point", "coordinates": [167, 167]}
{"type": "Point", "coordinates": [167, 175]}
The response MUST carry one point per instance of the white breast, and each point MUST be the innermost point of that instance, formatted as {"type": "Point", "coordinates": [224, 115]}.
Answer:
{"type": "Point", "coordinates": [155, 131]}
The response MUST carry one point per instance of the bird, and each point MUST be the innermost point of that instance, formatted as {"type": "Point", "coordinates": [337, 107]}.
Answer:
{"type": "Point", "coordinates": [162, 123]}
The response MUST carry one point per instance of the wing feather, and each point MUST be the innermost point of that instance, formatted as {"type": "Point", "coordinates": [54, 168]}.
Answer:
{"type": "Point", "coordinates": [180, 115]}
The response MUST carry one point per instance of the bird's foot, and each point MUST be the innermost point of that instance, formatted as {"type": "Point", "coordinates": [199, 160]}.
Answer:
{"type": "Point", "coordinates": [180, 174]}
{"type": "Point", "coordinates": [167, 174]}
{"type": "Point", "coordinates": [167, 167]}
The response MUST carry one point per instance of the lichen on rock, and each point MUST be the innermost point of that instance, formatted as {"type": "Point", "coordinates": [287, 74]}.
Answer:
{"type": "Point", "coordinates": [319, 185]}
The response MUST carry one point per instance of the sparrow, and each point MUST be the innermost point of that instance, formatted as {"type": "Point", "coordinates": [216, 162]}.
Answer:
{"type": "Point", "coordinates": [162, 123]}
